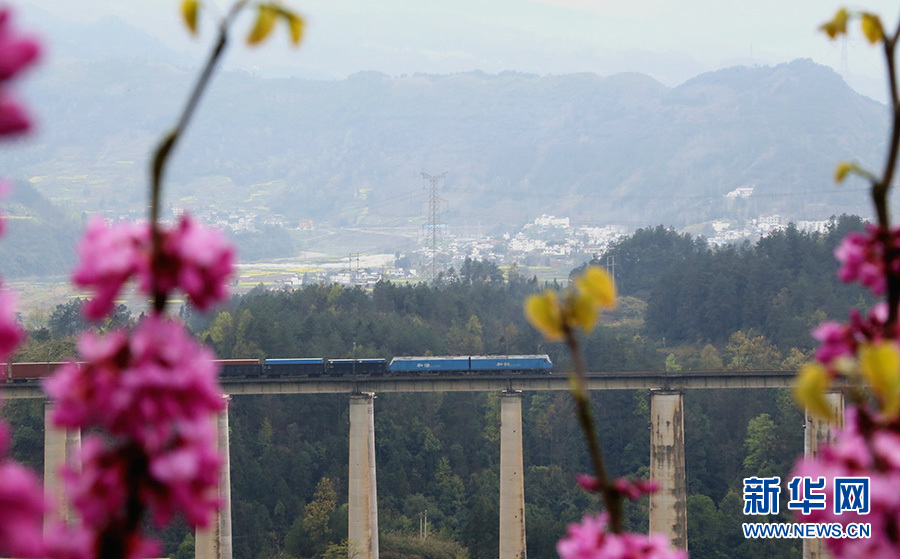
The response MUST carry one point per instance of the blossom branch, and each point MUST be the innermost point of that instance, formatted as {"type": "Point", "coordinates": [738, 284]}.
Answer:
{"type": "Point", "coordinates": [612, 498]}
{"type": "Point", "coordinates": [558, 317]}
{"type": "Point", "coordinates": [881, 188]}
{"type": "Point", "coordinates": [865, 349]}
{"type": "Point", "coordinates": [161, 155]}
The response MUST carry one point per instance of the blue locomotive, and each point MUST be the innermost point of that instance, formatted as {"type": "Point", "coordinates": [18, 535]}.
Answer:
{"type": "Point", "coordinates": [473, 363]}
{"type": "Point", "coordinates": [319, 367]}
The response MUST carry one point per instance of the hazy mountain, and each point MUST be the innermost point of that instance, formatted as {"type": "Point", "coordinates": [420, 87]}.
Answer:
{"type": "Point", "coordinates": [617, 149]}
{"type": "Point", "coordinates": [107, 38]}
{"type": "Point", "coordinates": [38, 237]}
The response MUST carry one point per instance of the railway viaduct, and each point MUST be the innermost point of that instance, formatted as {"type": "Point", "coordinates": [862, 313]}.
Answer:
{"type": "Point", "coordinates": [668, 506]}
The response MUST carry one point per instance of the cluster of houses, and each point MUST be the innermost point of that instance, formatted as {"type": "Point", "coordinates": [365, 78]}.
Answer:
{"type": "Point", "coordinates": [556, 238]}
{"type": "Point", "coordinates": [547, 240]}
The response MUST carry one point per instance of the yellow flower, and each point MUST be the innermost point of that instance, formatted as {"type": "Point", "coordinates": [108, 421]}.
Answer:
{"type": "Point", "coordinates": [880, 366]}
{"type": "Point", "coordinates": [597, 284]}
{"type": "Point", "coordinates": [837, 25]}
{"type": "Point", "coordinates": [580, 310]}
{"type": "Point", "coordinates": [843, 169]}
{"type": "Point", "coordinates": [544, 313]}
{"type": "Point", "coordinates": [265, 21]}
{"type": "Point", "coordinates": [579, 307]}
{"type": "Point", "coordinates": [812, 383]}
{"type": "Point", "coordinates": [189, 10]}
{"type": "Point", "coordinates": [296, 25]}
{"type": "Point", "coordinates": [871, 26]}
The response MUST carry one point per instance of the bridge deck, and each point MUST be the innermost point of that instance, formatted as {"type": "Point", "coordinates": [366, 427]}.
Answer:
{"type": "Point", "coordinates": [479, 383]}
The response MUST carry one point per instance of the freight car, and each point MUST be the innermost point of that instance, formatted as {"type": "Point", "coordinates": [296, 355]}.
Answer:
{"type": "Point", "coordinates": [21, 372]}
{"type": "Point", "coordinates": [240, 368]}
{"type": "Point", "coordinates": [350, 367]}
{"type": "Point", "coordinates": [296, 367]}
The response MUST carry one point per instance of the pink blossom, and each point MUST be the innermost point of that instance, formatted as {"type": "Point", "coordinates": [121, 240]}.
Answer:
{"type": "Point", "coordinates": [100, 490]}
{"type": "Point", "coordinates": [636, 489]}
{"type": "Point", "coordinates": [632, 489]}
{"type": "Point", "coordinates": [22, 510]}
{"type": "Point", "coordinates": [189, 473]}
{"type": "Point", "coordinates": [590, 540]}
{"type": "Point", "coordinates": [588, 482]}
{"type": "Point", "coordinates": [139, 387]}
{"type": "Point", "coordinates": [22, 506]}
{"type": "Point", "coordinates": [107, 257]}
{"type": "Point", "coordinates": [196, 259]}
{"type": "Point", "coordinates": [64, 541]}
{"type": "Point", "coordinates": [16, 54]}
{"type": "Point", "coordinates": [10, 331]}
{"type": "Point", "coordinates": [77, 542]}
{"type": "Point", "coordinates": [101, 493]}
{"type": "Point", "coordinates": [192, 258]}
{"type": "Point", "coordinates": [838, 340]}
{"type": "Point", "coordinates": [879, 460]}
{"type": "Point", "coordinates": [862, 257]}
{"type": "Point", "coordinates": [155, 394]}
{"type": "Point", "coordinates": [13, 118]}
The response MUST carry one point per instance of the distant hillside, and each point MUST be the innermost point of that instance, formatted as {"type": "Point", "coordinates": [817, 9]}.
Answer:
{"type": "Point", "coordinates": [38, 239]}
{"type": "Point", "coordinates": [621, 149]}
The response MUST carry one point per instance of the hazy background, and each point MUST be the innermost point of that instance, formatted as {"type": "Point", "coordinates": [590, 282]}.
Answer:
{"type": "Point", "coordinates": [671, 41]}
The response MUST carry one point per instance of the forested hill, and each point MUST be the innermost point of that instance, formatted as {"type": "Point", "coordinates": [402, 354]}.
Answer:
{"type": "Point", "coordinates": [595, 148]}
{"type": "Point", "coordinates": [39, 237]}
{"type": "Point", "coordinates": [781, 287]}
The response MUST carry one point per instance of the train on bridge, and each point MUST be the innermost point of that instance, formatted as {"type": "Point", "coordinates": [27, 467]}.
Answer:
{"type": "Point", "coordinates": [316, 367]}
{"type": "Point", "coordinates": [405, 366]}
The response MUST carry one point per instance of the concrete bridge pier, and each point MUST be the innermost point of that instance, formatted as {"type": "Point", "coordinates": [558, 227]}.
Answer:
{"type": "Point", "coordinates": [668, 505]}
{"type": "Point", "coordinates": [818, 433]}
{"type": "Point", "coordinates": [61, 446]}
{"type": "Point", "coordinates": [214, 541]}
{"type": "Point", "coordinates": [512, 477]}
{"type": "Point", "coordinates": [362, 536]}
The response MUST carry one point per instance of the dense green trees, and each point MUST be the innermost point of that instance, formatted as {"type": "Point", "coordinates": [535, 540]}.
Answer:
{"type": "Point", "coordinates": [781, 287]}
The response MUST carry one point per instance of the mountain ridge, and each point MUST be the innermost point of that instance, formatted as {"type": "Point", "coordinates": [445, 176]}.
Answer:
{"type": "Point", "coordinates": [600, 149]}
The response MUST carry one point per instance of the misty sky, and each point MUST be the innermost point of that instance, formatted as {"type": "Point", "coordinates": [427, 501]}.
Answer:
{"type": "Point", "coordinates": [670, 40]}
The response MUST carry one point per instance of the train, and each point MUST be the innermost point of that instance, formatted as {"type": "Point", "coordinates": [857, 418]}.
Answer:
{"type": "Point", "coordinates": [314, 367]}
{"type": "Point", "coordinates": [398, 366]}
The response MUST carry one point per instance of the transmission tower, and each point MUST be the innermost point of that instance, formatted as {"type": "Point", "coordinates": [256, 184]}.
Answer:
{"type": "Point", "coordinates": [434, 210]}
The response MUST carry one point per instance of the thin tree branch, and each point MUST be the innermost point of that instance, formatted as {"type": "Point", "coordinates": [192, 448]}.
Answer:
{"type": "Point", "coordinates": [161, 155]}
{"type": "Point", "coordinates": [612, 500]}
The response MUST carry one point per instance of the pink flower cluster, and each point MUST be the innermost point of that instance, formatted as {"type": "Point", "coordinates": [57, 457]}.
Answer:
{"type": "Point", "coordinates": [876, 456]}
{"type": "Point", "coordinates": [10, 331]}
{"type": "Point", "coordinates": [22, 507]}
{"type": "Point", "coordinates": [192, 257]}
{"type": "Point", "coordinates": [155, 394]}
{"type": "Point", "coordinates": [22, 504]}
{"type": "Point", "coordinates": [16, 54]}
{"type": "Point", "coordinates": [634, 490]}
{"type": "Point", "coordinates": [842, 340]}
{"type": "Point", "coordinates": [862, 257]}
{"type": "Point", "coordinates": [590, 540]}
